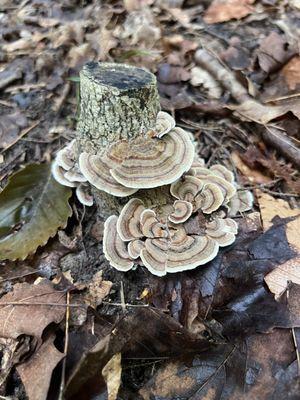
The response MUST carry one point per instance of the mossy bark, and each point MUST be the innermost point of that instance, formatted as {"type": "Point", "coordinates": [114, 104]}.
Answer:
{"type": "Point", "coordinates": [117, 102]}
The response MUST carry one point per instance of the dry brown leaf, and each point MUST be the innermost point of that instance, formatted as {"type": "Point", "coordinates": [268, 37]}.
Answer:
{"type": "Point", "coordinates": [272, 52]}
{"type": "Point", "coordinates": [291, 73]}
{"type": "Point", "coordinates": [253, 175]}
{"type": "Point", "coordinates": [32, 318]}
{"type": "Point", "coordinates": [278, 279]}
{"type": "Point", "coordinates": [252, 110]}
{"type": "Point", "coordinates": [271, 207]}
{"type": "Point", "coordinates": [225, 10]}
{"type": "Point", "coordinates": [97, 289]}
{"type": "Point", "coordinates": [37, 371]}
{"type": "Point", "coordinates": [112, 375]}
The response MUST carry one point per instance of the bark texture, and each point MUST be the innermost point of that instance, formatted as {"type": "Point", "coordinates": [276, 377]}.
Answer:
{"type": "Point", "coordinates": [117, 101]}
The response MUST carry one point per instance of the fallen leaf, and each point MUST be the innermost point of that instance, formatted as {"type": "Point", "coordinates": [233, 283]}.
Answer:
{"type": "Point", "coordinates": [254, 111]}
{"type": "Point", "coordinates": [12, 353]}
{"type": "Point", "coordinates": [253, 175]}
{"type": "Point", "coordinates": [266, 366]}
{"type": "Point", "coordinates": [213, 375]}
{"type": "Point", "coordinates": [144, 333]}
{"type": "Point", "coordinates": [225, 10]}
{"type": "Point", "coordinates": [112, 375]}
{"type": "Point", "coordinates": [10, 74]}
{"type": "Point", "coordinates": [30, 319]}
{"type": "Point", "coordinates": [96, 290]}
{"type": "Point", "coordinates": [140, 27]}
{"type": "Point", "coordinates": [10, 126]}
{"type": "Point", "coordinates": [32, 208]}
{"type": "Point", "coordinates": [291, 73]}
{"type": "Point", "coordinates": [172, 74]}
{"type": "Point", "coordinates": [37, 371]}
{"type": "Point", "coordinates": [279, 278]}
{"type": "Point", "coordinates": [271, 207]}
{"type": "Point", "coordinates": [273, 52]}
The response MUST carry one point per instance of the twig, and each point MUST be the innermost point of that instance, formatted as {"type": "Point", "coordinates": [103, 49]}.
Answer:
{"type": "Point", "coordinates": [283, 144]}
{"type": "Point", "coordinates": [123, 305]}
{"type": "Point", "coordinates": [23, 133]}
{"type": "Point", "coordinates": [63, 372]}
{"type": "Point", "coordinates": [15, 303]}
{"type": "Point", "coordinates": [19, 276]}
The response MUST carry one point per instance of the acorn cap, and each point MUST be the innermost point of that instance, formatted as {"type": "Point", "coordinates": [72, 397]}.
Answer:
{"type": "Point", "coordinates": [114, 248]}
{"type": "Point", "coordinates": [97, 172]}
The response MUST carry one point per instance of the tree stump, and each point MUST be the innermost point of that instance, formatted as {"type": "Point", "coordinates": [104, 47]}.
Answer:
{"type": "Point", "coordinates": [117, 102]}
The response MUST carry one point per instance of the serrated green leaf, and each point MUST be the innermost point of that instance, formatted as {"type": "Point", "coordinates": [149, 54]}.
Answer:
{"type": "Point", "coordinates": [32, 208]}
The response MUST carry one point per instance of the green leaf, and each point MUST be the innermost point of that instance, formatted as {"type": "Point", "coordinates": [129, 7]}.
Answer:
{"type": "Point", "coordinates": [32, 208]}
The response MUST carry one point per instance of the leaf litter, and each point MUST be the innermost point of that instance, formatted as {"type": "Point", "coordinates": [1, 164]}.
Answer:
{"type": "Point", "coordinates": [228, 71]}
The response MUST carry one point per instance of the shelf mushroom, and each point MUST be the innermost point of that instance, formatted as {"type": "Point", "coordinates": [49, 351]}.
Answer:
{"type": "Point", "coordinates": [66, 172]}
{"type": "Point", "coordinates": [162, 244]}
{"type": "Point", "coordinates": [143, 163]}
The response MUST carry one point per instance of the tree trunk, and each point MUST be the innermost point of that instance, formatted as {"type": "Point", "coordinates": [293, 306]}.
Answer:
{"type": "Point", "coordinates": [117, 102]}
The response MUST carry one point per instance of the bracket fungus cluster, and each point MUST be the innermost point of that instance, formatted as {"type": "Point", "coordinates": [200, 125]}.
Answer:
{"type": "Point", "coordinates": [157, 158]}
{"type": "Point", "coordinates": [65, 170]}
{"type": "Point", "coordinates": [181, 232]}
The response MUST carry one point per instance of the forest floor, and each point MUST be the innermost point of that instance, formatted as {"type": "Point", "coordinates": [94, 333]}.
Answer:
{"type": "Point", "coordinates": [229, 330]}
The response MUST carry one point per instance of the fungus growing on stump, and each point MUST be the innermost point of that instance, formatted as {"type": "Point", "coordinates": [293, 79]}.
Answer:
{"type": "Point", "coordinates": [162, 245]}
{"type": "Point", "coordinates": [125, 147]}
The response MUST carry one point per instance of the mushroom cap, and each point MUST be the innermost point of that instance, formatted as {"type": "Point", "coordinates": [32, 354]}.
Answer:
{"type": "Point", "coordinates": [190, 252]}
{"type": "Point", "coordinates": [151, 227]}
{"type": "Point", "coordinates": [222, 231]}
{"type": "Point", "coordinates": [223, 172]}
{"type": "Point", "coordinates": [84, 195]}
{"type": "Point", "coordinates": [114, 248]}
{"type": "Point", "coordinates": [97, 172]}
{"type": "Point", "coordinates": [128, 225]}
{"type": "Point", "coordinates": [135, 247]}
{"type": "Point", "coordinates": [59, 175]}
{"type": "Point", "coordinates": [164, 124]}
{"type": "Point", "coordinates": [226, 187]}
{"type": "Point", "coordinates": [74, 175]}
{"type": "Point", "coordinates": [187, 188]}
{"type": "Point", "coordinates": [210, 198]}
{"type": "Point", "coordinates": [242, 201]}
{"type": "Point", "coordinates": [65, 157]}
{"type": "Point", "coordinates": [154, 162]}
{"type": "Point", "coordinates": [182, 211]}
{"type": "Point", "coordinates": [183, 252]}
{"type": "Point", "coordinates": [154, 256]}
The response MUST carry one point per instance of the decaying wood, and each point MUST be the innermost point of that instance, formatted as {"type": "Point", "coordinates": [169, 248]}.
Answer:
{"type": "Point", "coordinates": [117, 101]}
